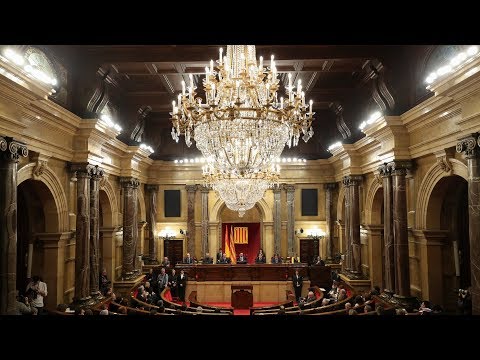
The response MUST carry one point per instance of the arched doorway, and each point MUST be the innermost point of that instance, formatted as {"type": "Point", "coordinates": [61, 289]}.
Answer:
{"type": "Point", "coordinates": [448, 210]}
{"type": "Point", "coordinates": [251, 225]}
{"type": "Point", "coordinates": [37, 213]}
{"type": "Point", "coordinates": [376, 241]}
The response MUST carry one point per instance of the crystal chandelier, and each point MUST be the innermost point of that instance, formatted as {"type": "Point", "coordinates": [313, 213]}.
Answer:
{"type": "Point", "coordinates": [241, 193]}
{"type": "Point", "coordinates": [242, 126]}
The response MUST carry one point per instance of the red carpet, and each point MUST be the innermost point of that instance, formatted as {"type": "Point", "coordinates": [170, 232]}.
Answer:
{"type": "Point", "coordinates": [240, 311]}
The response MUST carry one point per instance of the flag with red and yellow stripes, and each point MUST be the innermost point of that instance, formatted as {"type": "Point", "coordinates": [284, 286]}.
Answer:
{"type": "Point", "coordinates": [240, 235]}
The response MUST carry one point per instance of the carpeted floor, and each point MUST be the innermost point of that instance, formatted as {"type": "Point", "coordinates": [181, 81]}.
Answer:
{"type": "Point", "coordinates": [240, 311]}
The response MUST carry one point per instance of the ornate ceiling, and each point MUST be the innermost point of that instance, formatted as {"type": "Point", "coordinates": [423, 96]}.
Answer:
{"type": "Point", "coordinates": [138, 83]}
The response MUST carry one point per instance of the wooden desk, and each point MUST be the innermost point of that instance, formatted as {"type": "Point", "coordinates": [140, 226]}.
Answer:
{"type": "Point", "coordinates": [242, 272]}
{"type": "Point", "coordinates": [242, 296]}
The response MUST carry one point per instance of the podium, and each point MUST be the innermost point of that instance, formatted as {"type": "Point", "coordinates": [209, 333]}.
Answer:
{"type": "Point", "coordinates": [242, 296]}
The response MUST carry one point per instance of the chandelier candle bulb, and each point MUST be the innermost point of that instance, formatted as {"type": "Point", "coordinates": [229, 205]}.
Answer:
{"type": "Point", "coordinates": [220, 51]}
{"type": "Point", "coordinates": [303, 99]}
{"type": "Point", "coordinates": [211, 66]}
{"type": "Point", "coordinates": [311, 103]}
{"type": "Point", "coordinates": [183, 87]}
{"type": "Point", "coordinates": [261, 64]}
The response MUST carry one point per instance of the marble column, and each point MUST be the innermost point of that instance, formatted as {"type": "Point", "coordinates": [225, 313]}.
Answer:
{"type": "Point", "coordinates": [471, 147]}
{"type": "Point", "coordinates": [290, 219]}
{"type": "Point", "coordinates": [130, 228]}
{"type": "Point", "coordinates": [354, 181]}
{"type": "Point", "coordinates": [96, 174]}
{"type": "Point", "coordinates": [348, 239]}
{"type": "Point", "coordinates": [277, 219]}
{"type": "Point", "coordinates": [152, 222]}
{"type": "Point", "coordinates": [83, 173]}
{"type": "Point", "coordinates": [329, 189]}
{"type": "Point", "coordinates": [389, 251]}
{"type": "Point", "coordinates": [204, 191]}
{"type": "Point", "coordinates": [191, 190]}
{"type": "Point", "coordinates": [400, 230]}
{"type": "Point", "coordinates": [10, 151]}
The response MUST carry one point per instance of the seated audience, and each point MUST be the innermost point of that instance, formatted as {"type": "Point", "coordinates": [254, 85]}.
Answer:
{"type": "Point", "coordinates": [219, 254]}
{"type": "Point", "coordinates": [25, 308]}
{"type": "Point", "coordinates": [242, 259]}
{"type": "Point", "coordinates": [310, 297]}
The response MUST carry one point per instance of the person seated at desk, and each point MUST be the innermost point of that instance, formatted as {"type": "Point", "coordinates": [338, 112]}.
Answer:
{"type": "Point", "coordinates": [260, 259]}
{"type": "Point", "coordinates": [276, 259]}
{"type": "Point", "coordinates": [242, 259]}
{"type": "Point", "coordinates": [207, 259]}
{"type": "Point", "coordinates": [224, 259]}
{"type": "Point", "coordinates": [188, 259]}
{"type": "Point", "coordinates": [318, 261]}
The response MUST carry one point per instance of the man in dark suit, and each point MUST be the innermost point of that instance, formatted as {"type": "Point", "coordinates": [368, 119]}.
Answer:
{"type": "Point", "coordinates": [182, 285]}
{"type": "Point", "coordinates": [276, 259]}
{"type": "Point", "coordinates": [188, 259]}
{"type": "Point", "coordinates": [297, 285]}
{"type": "Point", "coordinates": [224, 259]}
{"type": "Point", "coordinates": [173, 283]}
{"type": "Point", "coordinates": [219, 254]}
{"type": "Point", "coordinates": [207, 259]}
{"type": "Point", "coordinates": [242, 259]}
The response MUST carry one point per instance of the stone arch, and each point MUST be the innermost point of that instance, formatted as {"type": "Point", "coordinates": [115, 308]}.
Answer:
{"type": "Point", "coordinates": [262, 206]}
{"type": "Point", "coordinates": [433, 176]}
{"type": "Point", "coordinates": [373, 203]}
{"type": "Point", "coordinates": [109, 203]}
{"type": "Point", "coordinates": [45, 174]}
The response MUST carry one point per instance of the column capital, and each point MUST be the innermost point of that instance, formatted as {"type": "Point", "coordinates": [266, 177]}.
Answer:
{"type": "Point", "coordinates": [384, 170]}
{"type": "Point", "coordinates": [191, 188]}
{"type": "Point", "coordinates": [399, 167]}
{"type": "Point", "coordinates": [80, 169]}
{"type": "Point", "coordinates": [289, 187]}
{"type": "Point", "coordinates": [277, 188]}
{"type": "Point", "coordinates": [96, 172]}
{"type": "Point", "coordinates": [352, 180]}
{"type": "Point", "coordinates": [129, 182]}
{"type": "Point", "coordinates": [151, 187]}
{"type": "Point", "coordinates": [204, 189]}
{"type": "Point", "coordinates": [11, 149]}
{"type": "Point", "coordinates": [470, 145]}
{"type": "Point", "coordinates": [330, 186]}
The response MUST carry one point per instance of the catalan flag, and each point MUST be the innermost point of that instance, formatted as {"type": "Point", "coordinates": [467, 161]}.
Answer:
{"type": "Point", "coordinates": [240, 235]}
{"type": "Point", "coordinates": [229, 245]}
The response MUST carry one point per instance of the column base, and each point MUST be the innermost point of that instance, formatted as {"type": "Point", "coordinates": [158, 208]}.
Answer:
{"type": "Point", "coordinates": [150, 261]}
{"type": "Point", "coordinates": [358, 283]}
{"type": "Point", "coordinates": [123, 287]}
{"type": "Point", "coordinates": [409, 303]}
{"type": "Point", "coordinates": [131, 275]}
{"type": "Point", "coordinates": [97, 296]}
{"type": "Point", "coordinates": [84, 302]}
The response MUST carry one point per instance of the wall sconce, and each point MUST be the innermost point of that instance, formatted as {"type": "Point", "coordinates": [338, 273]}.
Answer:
{"type": "Point", "coordinates": [167, 234]}
{"type": "Point", "coordinates": [298, 231]}
{"type": "Point", "coordinates": [315, 234]}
